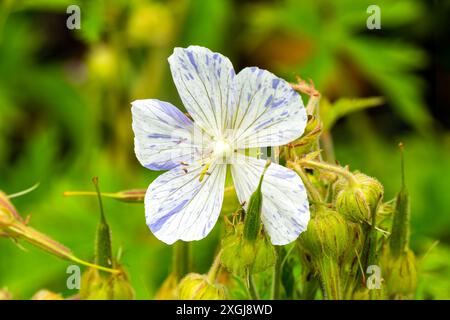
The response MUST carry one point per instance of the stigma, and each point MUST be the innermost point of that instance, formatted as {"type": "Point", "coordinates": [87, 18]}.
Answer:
{"type": "Point", "coordinates": [222, 150]}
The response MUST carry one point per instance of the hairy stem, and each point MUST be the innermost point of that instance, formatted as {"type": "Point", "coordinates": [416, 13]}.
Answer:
{"type": "Point", "coordinates": [276, 281]}
{"type": "Point", "coordinates": [180, 259]}
{"type": "Point", "coordinates": [251, 287]}
{"type": "Point", "coordinates": [328, 167]}
{"type": "Point", "coordinates": [312, 191]}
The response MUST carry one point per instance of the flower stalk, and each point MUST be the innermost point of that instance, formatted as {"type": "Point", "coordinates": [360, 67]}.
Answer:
{"type": "Point", "coordinates": [276, 280]}
{"type": "Point", "coordinates": [331, 168]}
{"type": "Point", "coordinates": [13, 226]}
{"type": "Point", "coordinates": [133, 195]}
{"type": "Point", "coordinates": [103, 250]}
{"type": "Point", "coordinates": [180, 259]}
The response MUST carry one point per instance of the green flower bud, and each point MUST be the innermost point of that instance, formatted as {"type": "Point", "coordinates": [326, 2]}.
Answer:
{"type": "Point", "coordinates": [240, 255]}
{"type": "Point", "coordinates": [168, 290]}
{"type": "Point", "coordinates": [326, 235]}
{"type": "Point", "coordinates": [195, 286]}
{"type": "Point", "coordinates": [252, 222]}
{"type": "Point", "coordinates": [355, 243]}
{"type": "Point", "coordinates": [324, 244]}
{"type": "Point", "coordinates": [358, 198]}
{"type": "Point", "coordinates": [96, 286]}
{"type": "Point", "coordinates": [400, 273]}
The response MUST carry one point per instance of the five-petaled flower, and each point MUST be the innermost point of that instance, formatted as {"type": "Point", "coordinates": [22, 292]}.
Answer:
{"type": "Point", "coordinates": [233, 112]}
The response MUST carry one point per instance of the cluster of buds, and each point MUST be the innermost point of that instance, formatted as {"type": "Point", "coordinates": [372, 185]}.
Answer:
{"type": "Point", "coordinates": [246, 248]}
{"type": "Point", "coordinates": [342, 240]}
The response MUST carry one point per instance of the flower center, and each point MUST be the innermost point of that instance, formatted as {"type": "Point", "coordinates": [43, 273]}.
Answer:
{"type": "Point", "coordinates": [222, 149]}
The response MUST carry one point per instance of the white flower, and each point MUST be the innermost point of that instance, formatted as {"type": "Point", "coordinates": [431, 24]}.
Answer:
{"type": "Point", "coordinates": [231, 112]}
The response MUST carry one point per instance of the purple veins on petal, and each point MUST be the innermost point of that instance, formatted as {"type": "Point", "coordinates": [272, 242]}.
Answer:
{"type": "Point", "coordinates": [277, 103]}
{"type": "Point", "coordinates": [268, 101]}
{"type": "Point", "coordinates": [192, 59]}
{"type": "Point", "coordinates": [159, 136]}
{"type": "Point", "coordinates": [157, 225]}
{"type": "Point", "coordinates": [275, 83]}
{"type": "Point", "coordinates": [161, 166]}
{"type": "Point", "coordinates": [259, 126]}
{"type": "Point", "coordinates": [282, 174]}
{"type": "Point", "coordinates": [260, 73]}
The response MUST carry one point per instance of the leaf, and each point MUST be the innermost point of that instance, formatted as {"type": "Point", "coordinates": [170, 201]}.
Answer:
{"type": "Point", "coordinates": [331, 113]}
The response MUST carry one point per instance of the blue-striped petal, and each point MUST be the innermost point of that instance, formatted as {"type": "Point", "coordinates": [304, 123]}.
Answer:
{"type": "Point", "coordinates": [163, 135]}
{"type": "Point", "coordinates": [204, 80]}
{"type": "Point", "coordinates": [268, 111]}
{"type": "Point", "coordinates": [285, 207]}
{"type": "Point", "coordinates": [178, 206]}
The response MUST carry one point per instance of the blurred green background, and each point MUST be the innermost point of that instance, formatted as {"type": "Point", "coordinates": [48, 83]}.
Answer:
{"type": "Point", "coordinates": [65, 112]}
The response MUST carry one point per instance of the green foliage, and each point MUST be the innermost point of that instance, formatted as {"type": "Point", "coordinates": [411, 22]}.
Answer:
{"type": "Point", "coordinates": [330, 42]}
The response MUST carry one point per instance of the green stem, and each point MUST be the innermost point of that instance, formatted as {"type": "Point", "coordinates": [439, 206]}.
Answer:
{"type": "Point", "coordinates": [180, 259]}
{"type": "Point", "coordinates": [327, 144]}
{"type": "Point", "coordinates": [330, 278]}
{"type": "Point", "coordinates": [23, 192]}
{"type": "Point", "coordinates": [215, 268]}
{"type": "Point", "coordinates": [42, 241]}
{"type": "Point", "coordinates": [369, 254]}
{"type": "Point", "coordinates": [312, 191]}
{"type": "Point", "coordinates": [332, 168]}
{"type": "Point", "coordinates": [92, 265]}
{"type": "Point", "coordinates": [276, 282]}
{"type": "Point", "coordinates": [136, 195]}
{"type": "Point", "coordinates": [251, 287]}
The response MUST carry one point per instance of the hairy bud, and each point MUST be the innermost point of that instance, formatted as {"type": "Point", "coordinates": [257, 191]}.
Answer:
{"type": "Point", "coordinates": [96, 286]}
{"type": "Point", "coordinates": [357, 199]}
{"type": "Point", "coordinates": [400, 273]}
{"type": "Point", "coordinates": [195, 286]}
{"type": "Point", "coordinates": [327, 234]}
{"type": "Point", "coordinates": [240, 255]}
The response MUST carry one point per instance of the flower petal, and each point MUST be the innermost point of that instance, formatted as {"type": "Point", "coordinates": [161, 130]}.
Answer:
{"type": "Point", "coordinates": [268, 112]}
{"type": "Point", "coordinates": [179, 206]}
{"type": "Point", "coordinates": [285, 208]}
{"type": "Point", "coordinates": [204, 80]}
{"type": "Point", "coordinates": [163, 135]}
